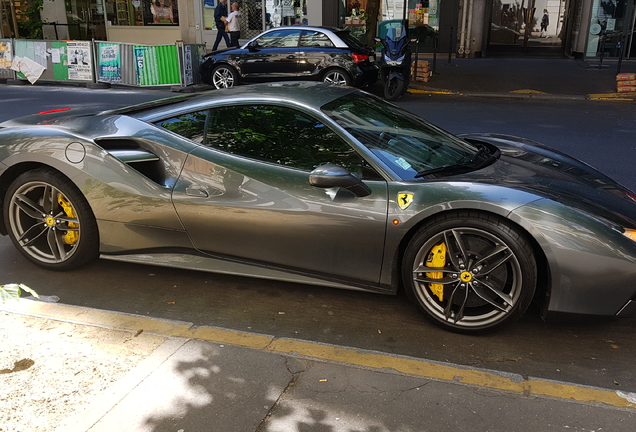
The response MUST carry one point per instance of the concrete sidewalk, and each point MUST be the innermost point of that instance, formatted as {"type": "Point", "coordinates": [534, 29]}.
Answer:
{"type": "Point", "coordinates": [211, 379]}
{"type": "Point", "coordinates": [524, 78]}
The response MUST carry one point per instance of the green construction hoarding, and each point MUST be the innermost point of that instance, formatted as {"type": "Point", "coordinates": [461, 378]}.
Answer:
{"type": "Point", "coordinates": [157, 65]}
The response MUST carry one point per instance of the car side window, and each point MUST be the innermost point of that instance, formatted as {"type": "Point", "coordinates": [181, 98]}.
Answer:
{"type": "Point", "coordinates": [191, 125]}
{"type": "Point", "coordinates": [315, 39]}
{"type": "Point", "coordinates": [279, 39]}
{"type": "Point", "coordinates": [283, 136]}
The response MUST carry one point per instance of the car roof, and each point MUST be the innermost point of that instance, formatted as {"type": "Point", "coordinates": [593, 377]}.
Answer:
{"type": "Point", "coordinates": [328, 28]}
{"type": "Point", "coordinates": [307, 93]}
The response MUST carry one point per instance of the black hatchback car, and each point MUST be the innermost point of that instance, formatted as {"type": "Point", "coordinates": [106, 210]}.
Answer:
{"type": "Point", "coordinates": [294, 53]}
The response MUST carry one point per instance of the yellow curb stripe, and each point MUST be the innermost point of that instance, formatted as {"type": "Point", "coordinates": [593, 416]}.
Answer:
{"type": "Point", "coordinates": [135, 323]}
{"type": "Point", "coordinates": [437, 92]}
{"type": "Point", "coordinates": [528, 91]}
{"type": "Point", "coordinates": [613, 95]}
{"type": "Point", "coordinates": [450, 373]}
{"type": "Point", "coordinates": [611, 98]}
{"type": "Point", "coordinates": [423, 368]}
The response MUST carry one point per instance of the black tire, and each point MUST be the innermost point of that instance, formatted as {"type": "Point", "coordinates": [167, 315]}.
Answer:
{"type": "Point", "coordinates": [50, 221]}
{"type": "Point", "coordinates": [224, 76]}
{"type": "Point", "coordinates": [487, 277]}
{"type": "Point", "coordinates": [336, 76]}
{"type": "Point", "coordinates": [393, 89]}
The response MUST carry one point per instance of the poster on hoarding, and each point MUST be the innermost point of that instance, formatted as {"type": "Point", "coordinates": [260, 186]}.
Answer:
{"type": "Point", "coordinates": [6, 56]}
{"type": "Point", "coordinates": [79, 60]}
{"type": "Point", "coordinates": [109, 63]}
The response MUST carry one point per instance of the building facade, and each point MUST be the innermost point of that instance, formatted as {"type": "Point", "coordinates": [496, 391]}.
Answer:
{"type": "Point", "coordinates": [467, 28]}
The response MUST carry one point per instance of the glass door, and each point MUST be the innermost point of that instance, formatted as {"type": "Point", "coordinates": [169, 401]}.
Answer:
{"type": "Point", "coordinates": [611, 25]}
{"type": "Point", "coordinates": [527, 26]}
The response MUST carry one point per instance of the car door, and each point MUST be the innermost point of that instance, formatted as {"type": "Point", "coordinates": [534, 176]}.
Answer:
{"type": "Point", "coordinates": [316, 52]}
{"type": "Point", "coordinates": [245, 195]}
{"type": "Point", "coordinates": [272, 55]}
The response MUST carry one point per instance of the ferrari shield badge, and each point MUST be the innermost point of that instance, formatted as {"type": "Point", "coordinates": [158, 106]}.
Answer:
{"type": "Point", "coordinates": [404, 199]}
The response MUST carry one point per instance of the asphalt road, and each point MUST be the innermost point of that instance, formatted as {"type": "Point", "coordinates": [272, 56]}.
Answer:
{"type": "Point", "coordinates": [590, 353]}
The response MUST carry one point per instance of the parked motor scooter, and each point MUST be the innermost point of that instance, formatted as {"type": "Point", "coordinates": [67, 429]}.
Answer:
{"type": "Point", "coordinates": [395, 66]}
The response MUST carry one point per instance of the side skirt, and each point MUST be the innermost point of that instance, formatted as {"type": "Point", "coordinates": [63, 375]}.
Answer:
{"type": "Point", "coordinates": [214, 265]}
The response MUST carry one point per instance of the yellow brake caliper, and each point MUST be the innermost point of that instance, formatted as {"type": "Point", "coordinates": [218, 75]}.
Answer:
{"type": "Point", "coordinates": [436, 258]}
{"type": "Point", "coordinates": [70, 237]}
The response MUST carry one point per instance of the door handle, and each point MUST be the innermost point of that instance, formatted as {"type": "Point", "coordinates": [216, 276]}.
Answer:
{"type": "Point", "coordinates": [291, 56]}
{"type": "Point", "coordinates": [197, 192]}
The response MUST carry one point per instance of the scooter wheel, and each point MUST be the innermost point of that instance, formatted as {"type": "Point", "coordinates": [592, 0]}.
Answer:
{"type": "Point", "coordinates": [393, 89]}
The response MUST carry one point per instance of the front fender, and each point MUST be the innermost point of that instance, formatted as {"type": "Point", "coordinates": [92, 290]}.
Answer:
{"type": "Point", "coordinates": [432, 198]}
{"type": "Point", "coordinates": [592, 264]}
{"type": "Point", "coordinates": [396, 74]}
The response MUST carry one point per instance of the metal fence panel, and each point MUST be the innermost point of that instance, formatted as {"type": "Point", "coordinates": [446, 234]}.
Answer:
{"type": "Point", "coordinates": [109, 62]}
{"type": "Point", "coordinates": [62, 60]}
{"type": "Point", "coordinates": [6, 59]}
{"type": "Point", "coordinates": [139, 65]}
{"type": "Point", "coordinates": [128, 64]}
{"type": "Point", "coordinates": [190, 57]}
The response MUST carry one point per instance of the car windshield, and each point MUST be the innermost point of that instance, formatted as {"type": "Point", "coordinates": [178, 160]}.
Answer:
{"type": "Point", "coordinates": [407, 144]}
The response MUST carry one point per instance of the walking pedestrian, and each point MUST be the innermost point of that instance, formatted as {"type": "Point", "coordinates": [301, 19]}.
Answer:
{"type": "Point", "coordinates": [545, 22]}
{"type": "Point", "coordinates": [234, 25]}
{"type": "Point", "coordinates": [220, 17]}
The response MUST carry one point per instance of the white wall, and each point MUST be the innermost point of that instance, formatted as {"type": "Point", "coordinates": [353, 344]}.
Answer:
{"type": "Point", "coordinates": [314, 12]}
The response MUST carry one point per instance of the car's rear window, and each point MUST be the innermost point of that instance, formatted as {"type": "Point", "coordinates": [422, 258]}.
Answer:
{"type": "Point", "coordinates": [351, 41]}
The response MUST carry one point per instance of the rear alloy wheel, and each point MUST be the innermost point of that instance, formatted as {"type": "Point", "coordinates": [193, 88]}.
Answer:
{"type": "Point", "coordinates": [470, 272]}
{"type": "Point", "coordinates": [393, 89]}
{"type": "Point", "coordinates": [337, 77]}
{"type": "Point", "coordinates": [50, 221]}
{"type": "Point", "coordinates": [224, 76]}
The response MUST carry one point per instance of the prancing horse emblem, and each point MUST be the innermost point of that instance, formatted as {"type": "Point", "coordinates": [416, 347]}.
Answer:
{"type": "Point", "coordinates": [404, 199]}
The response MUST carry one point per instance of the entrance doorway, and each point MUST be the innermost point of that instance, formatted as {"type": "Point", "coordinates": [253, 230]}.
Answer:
{"type": "Point", "coordinates": [611, 29]}
{"type": "Point", "coordinates": [527, 27]}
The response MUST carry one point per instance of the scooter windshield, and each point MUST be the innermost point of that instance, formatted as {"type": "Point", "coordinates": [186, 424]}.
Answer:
{"type": "Point", "coordinates": [395, 41]}
{"type": "Point", "coordinates": [395, 32]}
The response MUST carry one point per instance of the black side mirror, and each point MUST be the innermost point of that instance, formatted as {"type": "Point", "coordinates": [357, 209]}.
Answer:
{"type": "Point", "coordinates": [377, 39]}
{"type": "Point", "coordinates": [330, 175]}
{"type": "Point", "coordinates": [252, 46]}
{"type": "Point", "coordinates": [415, 40]}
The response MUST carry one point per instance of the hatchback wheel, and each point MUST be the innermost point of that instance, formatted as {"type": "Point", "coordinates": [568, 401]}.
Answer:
{"type": "Point", "coordinates": [224, 76]}
{"type": "Point", "coordinates": [470, 272]}
{"type": "Point", "coordinates": [50, 221]}
{"type": "Point", "coordinates": [337, 77]}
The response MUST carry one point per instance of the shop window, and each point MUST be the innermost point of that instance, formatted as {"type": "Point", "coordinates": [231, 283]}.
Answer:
{"type": "Point", "coordinates": [142, 12]}
{"type": "Point", "coordinates": [208, 13]}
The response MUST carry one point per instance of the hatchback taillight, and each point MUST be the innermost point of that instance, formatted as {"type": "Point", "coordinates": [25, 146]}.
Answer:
{"type": "Point", "coordinates": [360, 58]}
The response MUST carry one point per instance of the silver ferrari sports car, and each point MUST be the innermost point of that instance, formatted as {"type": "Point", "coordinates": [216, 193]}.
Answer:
{"type": "Point", "coordinates": [322, 185]}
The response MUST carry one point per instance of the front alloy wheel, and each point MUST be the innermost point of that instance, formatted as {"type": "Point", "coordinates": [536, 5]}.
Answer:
{"type": "Point", "coordinates": [49, 220]}
{"type": "Point", "coordinates": [471, 273]}
{"type": "Point", "coordinates": [224, 77]}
